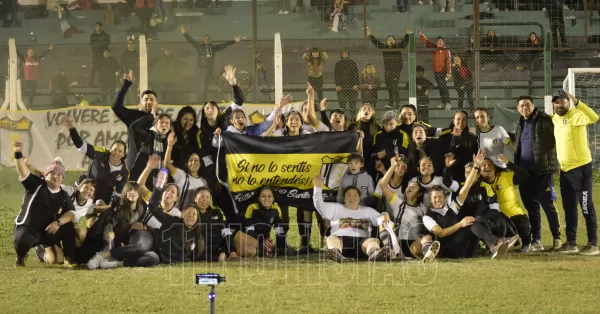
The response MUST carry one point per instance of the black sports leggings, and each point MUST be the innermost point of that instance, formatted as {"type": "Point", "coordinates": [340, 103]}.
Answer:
{"type": "Point", "coordinates": [139, 252]}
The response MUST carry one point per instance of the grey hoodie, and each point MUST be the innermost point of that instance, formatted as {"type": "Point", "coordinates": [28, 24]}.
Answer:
{"type": "Point", "coordinates": [361, 180]}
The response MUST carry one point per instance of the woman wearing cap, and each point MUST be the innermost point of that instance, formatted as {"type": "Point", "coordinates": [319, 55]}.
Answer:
{"type": "Point", "coordinates": [108, 169]}
{"type": "Point", "coordinates": [46, 212]}
{"type": "Point", "coordinates": [391, 140]}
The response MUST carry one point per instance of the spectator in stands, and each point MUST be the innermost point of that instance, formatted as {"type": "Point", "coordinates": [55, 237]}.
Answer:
{"type": "Point", "coordinates": [160, 12]}
{"type": "Point", "coordinates": [99, 40]}
{"type": "Point", "coordinates": [31, 70]}
{"type": "Point", "coordinates": [213, 4]}
{"type": "Point", "coordinates": [557, 22]}
{"type": "Point", "coordinates": [490, 41]}
{"type": "Point", "coordinates": [535, 152]}
{"type": "Point", "coordinates": [9, 7]}
{"type": "Point", "coordinates": [401, 5]}
{"type": "Point", "coordinates": [206, 58]}
{"type": "Point", "coordinates": [346, 81]}
{"type": "Point", "coordinates": [59, 90]}
{"type": "Point", "coordinates": [167, 69]}
{"type": "Point", "coordinates": [145, 8]}
{"type": "Point", "coordinates": [443, 5]}
{"type": "Point", "coordinates": [108, 72]}
{"type": "Point", "coordinates": [423, 87]}
{"type": "Point", "coordinates": [46, 212]}
{"type": "Point", "coordinates": [130, 63]}
{"type": "Point", "coordinates": [462, 82]}
{"type": "Point", "coordinates": [529, 57]}
{"type": "Point", "coordinates": [369, 85]}
{"type": "Point", "coordinates": [503, 184]}
{"type": "Point", "coordinates": [314, 60]}
{"type": "Point", "coordinates": [441, 64]}
{"type": "Point", "coordinates": [338, 11]}
{"type": "Point", "coordinates": [392, 65]}
{"type": "Point", "coordinates": [575, 159]}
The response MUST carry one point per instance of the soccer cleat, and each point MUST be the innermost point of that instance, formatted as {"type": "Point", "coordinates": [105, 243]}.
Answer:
{"type": "Point", "coordinates": [557, 244]}
{"type": "Point", "coordinates": [433, 251]}
{"type": "Point", "coordinates": [94, 262]}
{"type": "Point", "coordinates": [537, 246]}
{"type": "Point", "coordinates": [568, 249]}
{"type": "Point", "coordinates": [383, 254]}
{"type": "Point", "coordinates": [108, 263]}
{"type": "Point", "coordinates": [499, 248]}
{"type": "Point", "coordinates": [510, 242]}
{"type": "Point", "coordinates": [336, 255]}
{"type": "Point", "coordinates": [526, 248]}
{"type": "Point", "coordinates": [589, 250]}
{"type": "Point", "coordinates": [20, 262]}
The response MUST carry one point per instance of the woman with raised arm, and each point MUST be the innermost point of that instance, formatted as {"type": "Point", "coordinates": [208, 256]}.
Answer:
{"type": "Point", "coordinates": [177, 239]}
{"type": "Point", "coordinates": [108, 168]}
{"type": "Point", "coordinates": [188, 180]}
{"type": "Point", "coordinates": [170, 197]}
{"type": "Point", "coordinates": [395, 183]}
{"type": "Point", "coordinates": [351, 226]}
{"type": "Point", "coordinates": [406, 210]}
{"type": "Point", "coordinates": [456, 238]}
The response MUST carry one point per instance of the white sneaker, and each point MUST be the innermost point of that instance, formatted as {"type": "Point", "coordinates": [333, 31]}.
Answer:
{"type": "Point", "coordinates": [443, 10]}
{"type": "Point", "coordinates": [95, 261]}
{"type": "Point", "coordinates": [109, 263]}
{"type": "Point", "coordinates": [434, 249]}
{"type": "Point", "coordinates": [557, 244]}
{"type": "Point", "coordinates": [440, 106]}
{"type": "Point", "coordinates": [283, 12]}
{"type": "Point", "coordinates": [448, 107]}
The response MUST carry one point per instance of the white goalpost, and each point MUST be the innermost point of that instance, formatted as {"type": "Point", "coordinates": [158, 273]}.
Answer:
{"type": "Point", "coordinates": [584, 83]}
{"type": "Point", "coordinates": [12, 97]}
{"type": "Point", "coordinates": [278, 68]}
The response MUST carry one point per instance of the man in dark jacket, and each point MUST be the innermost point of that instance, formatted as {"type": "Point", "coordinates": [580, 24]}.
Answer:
{"type": "Point", "coordinates": [130, 62]}
{"type": "Point", "coordinates": [346, 81]}
{"type": "Point", "coordinates": [99, 40]}
{"type": "Point", "coordinates": [206, 58]}
{"type": "Point", "coordinates": [109, 69]}
{"type": "Point", "coordinates": [557, 21]}
{"type": "Point", "coordinates": [535, 151]}
{"type": "Point", "coordinates": [392, 64]}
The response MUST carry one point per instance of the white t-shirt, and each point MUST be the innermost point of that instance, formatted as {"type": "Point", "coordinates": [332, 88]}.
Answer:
{"type": "Point", "coordinates": [187, 189]}
{"type": "Point", "coordinates": [493, 142]}
{"type": "Point", "coordinates": [379, 194]}
{"type": "Point", "coordinates": [153, 223]}
{"type": "Point", "coordinates": [412, 216]}
{"type": "Point", "coordinates": [322, 128]}
{"type": "Point", "coordinates": [429, 222]}
{"type": "Point", "coordinates": [308, 128]}
{"type": "Point", "coordinates": [80, 210]}
{"type": "Point", "coordinates": [346, 222]}
{"type": "Point", "coordinates": [437, 180]}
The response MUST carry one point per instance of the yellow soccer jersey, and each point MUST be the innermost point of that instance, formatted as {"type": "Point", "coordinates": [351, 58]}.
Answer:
{"type": "Point", "coordinates": [570, 132]}
{"type": "Point", "coordinates": [506, 194]}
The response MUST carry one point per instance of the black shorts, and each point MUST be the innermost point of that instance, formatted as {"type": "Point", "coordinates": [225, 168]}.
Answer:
{"type": "Point", "coordinates": [352, 247]}
{"type": "Point", "coordinates": [405, 247]}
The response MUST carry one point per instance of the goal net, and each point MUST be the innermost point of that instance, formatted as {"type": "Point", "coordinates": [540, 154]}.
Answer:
{"type": "Point", "coordinates": [584, 83]}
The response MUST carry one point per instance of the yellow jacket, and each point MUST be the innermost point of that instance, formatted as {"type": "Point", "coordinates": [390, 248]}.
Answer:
{"type": "Point", "coordinates": [570, 132]}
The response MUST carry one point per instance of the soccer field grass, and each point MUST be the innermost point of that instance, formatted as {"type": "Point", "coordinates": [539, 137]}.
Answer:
{"type": "Point", "coordinates": [536, 282]}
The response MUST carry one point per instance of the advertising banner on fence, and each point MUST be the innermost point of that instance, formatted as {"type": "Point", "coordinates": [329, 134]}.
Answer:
{"type": "Point", "coordinates": [287, 164]}
{"type": "Point", "coordinates": [44, 138]}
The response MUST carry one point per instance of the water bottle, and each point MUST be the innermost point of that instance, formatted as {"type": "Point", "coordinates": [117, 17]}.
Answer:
{"type": "Point", "coordinates": [161, 178]}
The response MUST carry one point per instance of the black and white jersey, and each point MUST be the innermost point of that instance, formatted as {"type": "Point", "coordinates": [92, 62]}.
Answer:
{"type": "Point", "coordinates": [41, 205]}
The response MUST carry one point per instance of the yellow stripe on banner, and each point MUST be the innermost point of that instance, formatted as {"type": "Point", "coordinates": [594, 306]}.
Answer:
{"type": "Point", "coordinates": [251, 171]}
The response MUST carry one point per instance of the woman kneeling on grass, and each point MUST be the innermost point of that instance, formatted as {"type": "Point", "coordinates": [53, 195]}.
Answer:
{"type": "Point", "coordinates": [456, 239]}
{"type": "Point", "coordinates": [177, 239]}
{"type": "Point", "coordinates": [263, 216]}
{"type": "Point", "coordinates": [350, 226]}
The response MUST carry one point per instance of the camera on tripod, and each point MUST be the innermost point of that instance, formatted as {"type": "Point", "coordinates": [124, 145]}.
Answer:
{"type": "Point", "coordinates": [209, 279]}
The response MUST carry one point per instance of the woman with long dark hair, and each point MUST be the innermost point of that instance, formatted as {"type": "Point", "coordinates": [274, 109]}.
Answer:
{"type": "Point", "coordinates": [108, 169]}
{"type": "Point", "coordinates": [366, 122]}
{"type": "Point", "coordinates": [420, 147]}
{"type": "Point", "coordinates": [458, 140]}
{"type": "Point", "coordinates": [177, 239]}
{"type": "Point", "coordinates": [188, 136]}
{"type": "Point", "coordinates": [188, 178]}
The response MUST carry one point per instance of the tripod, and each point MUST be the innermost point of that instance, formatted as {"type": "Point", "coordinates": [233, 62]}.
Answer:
{"type": "Point", "coordinates": [211, 297]}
